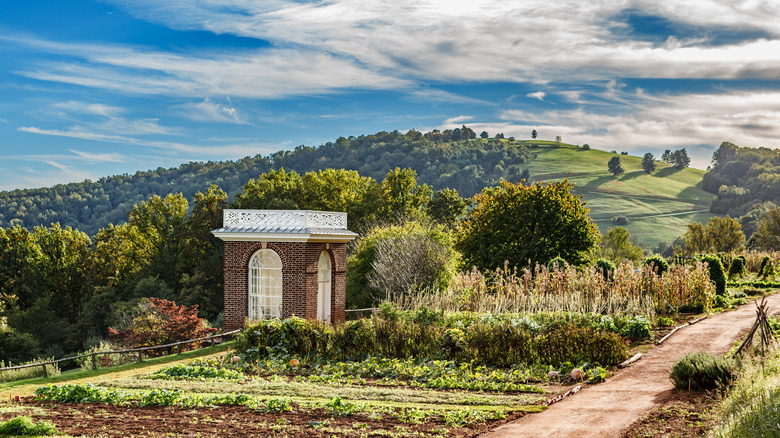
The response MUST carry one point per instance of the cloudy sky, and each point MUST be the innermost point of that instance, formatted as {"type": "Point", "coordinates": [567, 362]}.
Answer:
{"type": "Point", "coordinates": [98, 88]}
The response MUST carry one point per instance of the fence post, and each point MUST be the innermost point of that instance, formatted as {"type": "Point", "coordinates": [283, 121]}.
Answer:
{"type": "Point", "coordinates": [178, 349]}
{"type": "Point", "coordinates": [45, 373]}
{"type": "Point", "coordinates": [94, 362]}
{"type": "Point", "coordinates": [140, 359]}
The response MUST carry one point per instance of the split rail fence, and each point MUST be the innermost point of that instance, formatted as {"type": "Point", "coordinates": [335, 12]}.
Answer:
{"type": "Point", "coordinates": [139, 352]}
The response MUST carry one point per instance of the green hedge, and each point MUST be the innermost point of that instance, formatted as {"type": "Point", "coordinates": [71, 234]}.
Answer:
{"type": "Point", "coordinates": [404, 335]}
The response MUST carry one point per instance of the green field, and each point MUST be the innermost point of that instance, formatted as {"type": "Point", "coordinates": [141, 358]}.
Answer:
{"type": "Point", "coordinates": [658, 205]}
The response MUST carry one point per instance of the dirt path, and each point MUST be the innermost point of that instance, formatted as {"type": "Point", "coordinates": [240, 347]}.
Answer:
{"type": "Point", "coordinates": [608, 409]}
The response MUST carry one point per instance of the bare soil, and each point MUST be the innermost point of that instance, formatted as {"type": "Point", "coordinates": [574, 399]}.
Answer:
{"type": "Point", "coordinates": [687, 414]}
{"type": "Point", "coordinates": [105, 420]}
{"type": "Point", "coordinates": [608, 409]}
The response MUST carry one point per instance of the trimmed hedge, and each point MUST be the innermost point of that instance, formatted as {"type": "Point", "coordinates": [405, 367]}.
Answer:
{"type": "Point", "coordinates": [403, 335]}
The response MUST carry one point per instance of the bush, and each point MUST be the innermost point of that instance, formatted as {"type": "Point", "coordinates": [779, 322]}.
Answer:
{"type": "Point", "coordinates": [660, 266]}
{"type": "Point", "coordinates": [585, 147]}
{"type": "Point", "coordinates": [737, 268]}
{"type": "Point", "coordinates": [17, 347]}
{"type": "Point", "coordinates": [767, 269]}
{"type": "Point", "coordinates": [637, 327]}
{"type": "Point", "coordinates": [606, 268]}
{"type": "Point", "coordinates": [557, 263]}
{"type": "Point", "coordinates": [423, 334]}
{"type": "Point", "coordinates": [24, 426]}
{"type": "Point", "coordinates": [717, 274]}
{"type": "Point", "coordinates": [620, 220]}
{"type": "Point", "coordinates": [701, 370]}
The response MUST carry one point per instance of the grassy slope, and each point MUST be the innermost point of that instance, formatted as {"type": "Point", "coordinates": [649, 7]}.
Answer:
{"type": "Point", "coordinates": [658, 206]}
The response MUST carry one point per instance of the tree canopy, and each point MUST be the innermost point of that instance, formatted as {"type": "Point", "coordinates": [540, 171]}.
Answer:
{"type": "Point", "coordinates": [526, 224]}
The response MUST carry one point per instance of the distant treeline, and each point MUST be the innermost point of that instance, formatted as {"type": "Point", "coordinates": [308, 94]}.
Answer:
{"type": "Point", "coordinates": [442, 159]}
{"type": "Point", "coordinates": [746, 182]}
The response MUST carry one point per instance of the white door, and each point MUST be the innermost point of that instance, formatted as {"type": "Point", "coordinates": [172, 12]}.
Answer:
{"type": "Point", "coordinates": [323, 287]}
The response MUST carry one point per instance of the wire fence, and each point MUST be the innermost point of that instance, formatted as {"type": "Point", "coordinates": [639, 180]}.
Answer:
{"type": "Point", "coordinates": [139, 351]}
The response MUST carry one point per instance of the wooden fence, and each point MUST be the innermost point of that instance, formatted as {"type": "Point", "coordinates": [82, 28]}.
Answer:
{"type": "Point", "coordinates": [139, 351]}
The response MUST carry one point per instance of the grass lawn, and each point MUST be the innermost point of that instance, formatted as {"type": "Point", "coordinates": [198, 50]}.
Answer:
{"type": "Point", "coordinates": [658, 205]}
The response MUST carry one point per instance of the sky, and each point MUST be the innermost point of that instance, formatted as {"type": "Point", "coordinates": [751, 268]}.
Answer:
{"type": "Point", "coordinates": [97, 88]}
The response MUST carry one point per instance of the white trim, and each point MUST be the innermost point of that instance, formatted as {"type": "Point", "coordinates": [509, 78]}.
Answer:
{"type": "Point", "coordinates": [273, 237]}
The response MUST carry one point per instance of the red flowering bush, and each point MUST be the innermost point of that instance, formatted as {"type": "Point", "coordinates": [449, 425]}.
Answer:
{"type": "Point", "coordinates": [158, 322]}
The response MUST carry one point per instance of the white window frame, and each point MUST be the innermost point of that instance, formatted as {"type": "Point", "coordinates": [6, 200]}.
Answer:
{"type": "Point", "coordinates": [265, 285]}
{"type": "Point", "coordinates": [324, 298]}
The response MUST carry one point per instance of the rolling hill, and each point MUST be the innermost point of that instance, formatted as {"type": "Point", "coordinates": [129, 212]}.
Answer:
{"type": "Point", "coordinates": [658, 206]}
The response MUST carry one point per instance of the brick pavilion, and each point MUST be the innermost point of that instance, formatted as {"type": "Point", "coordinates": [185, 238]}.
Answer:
{"type": "Point", "coordinates": [279, 263]}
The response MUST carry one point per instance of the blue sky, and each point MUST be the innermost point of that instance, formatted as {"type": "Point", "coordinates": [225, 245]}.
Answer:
{"type": "Point", "coordinates": [96, 88]}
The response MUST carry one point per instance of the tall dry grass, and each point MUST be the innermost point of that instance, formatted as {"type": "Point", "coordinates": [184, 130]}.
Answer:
{"type": "Point", "coordinates": [627, 293]}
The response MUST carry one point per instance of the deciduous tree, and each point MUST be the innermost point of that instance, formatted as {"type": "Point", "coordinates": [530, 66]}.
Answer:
{"type": "Point", "coordinates": [648, 163]}
{"type": "Point", "coordinates": [521, 224]}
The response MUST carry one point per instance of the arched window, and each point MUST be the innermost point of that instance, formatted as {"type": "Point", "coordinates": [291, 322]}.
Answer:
{"type": "Point", "coordinates": [323, 287]}
{"type": "Point", "coordinates": [265, 285]}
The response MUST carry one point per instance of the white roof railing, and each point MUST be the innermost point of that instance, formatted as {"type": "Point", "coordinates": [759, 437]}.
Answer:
{"type": "Point", "coordinates": [285, 219]}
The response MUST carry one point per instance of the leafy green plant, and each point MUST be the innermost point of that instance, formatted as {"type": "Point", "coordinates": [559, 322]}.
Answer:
{"type": "Point", "coordinates": [664, 321]}
{"type": "Point", "coordinates": [195, 372]}
{"type": "Point", "coordinates": [637, 327]}
{"type": "Point", "coordinates": [24, 426]}
{"type": "Point", "coordinates": [339, 408]}
{"type": "Point", "coordinates": [702, 370]}
{"type": "Point", "coordinates": [277, 405]}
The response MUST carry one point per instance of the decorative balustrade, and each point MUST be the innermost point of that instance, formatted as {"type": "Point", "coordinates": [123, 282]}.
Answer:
{"type": "Point", "coordinates": [285, 219]}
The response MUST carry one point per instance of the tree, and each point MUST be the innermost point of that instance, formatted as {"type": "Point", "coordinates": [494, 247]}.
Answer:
{"type": "Point", "coordinates": [446, 207]}
{"type": "Point", "coordinates": [724, 234]}
{"type": "Point", "coordinates": [521, 224]}
{"type": "Point", "coordinates": [484, 134]}
{"type": "Point", "coordinates": [616, 246]}
{"type": "Point", "coordinates": [696, 240]}
{"type": "Point", "coordinates": [721, 234]}
{"type": "Point", "coordinates": [533, 134]}
{"type": "Point", "coordinates": [615, 168]}
{"type": "Point", "coordinates": [666, 157]}
{"type": "Point", "coordinates": [648, 163]}
{"type": "Point", "coordinates": [401, 195]}
{"type": "Point", "coordinates": [558, 140]}
{"type": "Point", "coordinates": [680, 159]}
{"type": "Point", "coordinates": [768, 235]}
{"type": "Point", "coordinates": [392, 258]}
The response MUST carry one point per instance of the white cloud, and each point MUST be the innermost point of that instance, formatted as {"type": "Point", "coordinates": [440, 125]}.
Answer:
{"type": "Point", "coordinates": [537, 95]}
{"type": "Point", "coordinates": [111, 157]}
{"type": "Point", "coordinates": [458, 120]}
{"type": "Point", "coordinates": [325, 47]}
{"type": "Point", "coordinates": [209, 111]}
{"type": "Point", "coordinates": [745, 118]}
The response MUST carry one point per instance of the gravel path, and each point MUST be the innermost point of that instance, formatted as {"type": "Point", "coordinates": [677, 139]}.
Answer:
{"type": "Point", "coordinates": [609, 408]}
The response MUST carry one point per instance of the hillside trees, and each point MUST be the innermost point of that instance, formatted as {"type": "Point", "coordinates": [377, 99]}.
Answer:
{"type": "Point", "coordinates": [526, 224]}
{"type": "Point", "coordinates": [648, 163]}
{"type": "Point", "coordinates": [614, 166]}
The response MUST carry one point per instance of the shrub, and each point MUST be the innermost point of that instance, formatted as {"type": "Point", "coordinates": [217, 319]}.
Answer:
{"type": "Point", "coordinates": [659, 265]}
{"type": "Point", "coordinates": [767, 269]}
{"type": "Point", "coordinates": [620, 220]}
{"type": "Point", "coordinates": [585, 147]}
{"type": "Point", "coordinates": [702, 370]}
{"type": "Point", "coordinates": [572, 344]}
{"type": "Point", "coordinates": [159, 322]}
{"type": "Point", "coordinates": [24, 426]}
{"type": "Point", "coordinates": [737, 268]}
{"type": "Point", "coordinates": [557, 263]}
{"type": "Point", "coordinates": [717, 274]}
{"type": "Point", "coordinates": [17, 347]}
{"type": "Point", "coordinates": [606, 268]}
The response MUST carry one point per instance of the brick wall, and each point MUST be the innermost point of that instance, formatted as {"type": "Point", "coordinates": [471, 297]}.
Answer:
{"type": "Point", "coordinates": [299, 279]}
